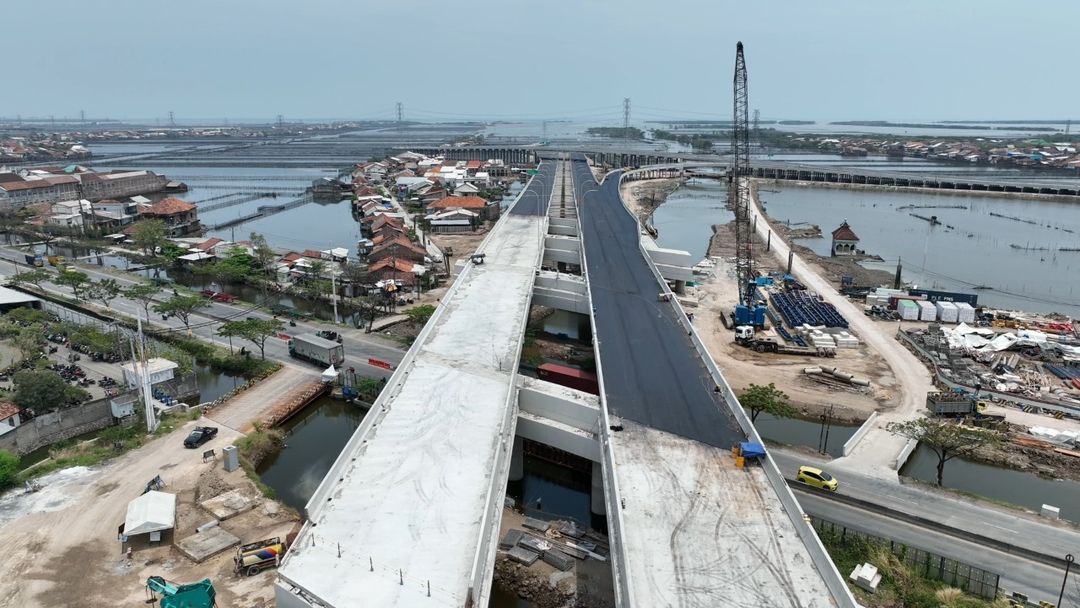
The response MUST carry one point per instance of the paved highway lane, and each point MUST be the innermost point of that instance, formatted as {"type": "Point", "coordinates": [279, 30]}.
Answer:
{"type": "Point", "coordinates": [652, 374]}
{"type": "Point", "coordinates": [359, 347]}
{"type": "Point", "coordinates": [1036, 579]}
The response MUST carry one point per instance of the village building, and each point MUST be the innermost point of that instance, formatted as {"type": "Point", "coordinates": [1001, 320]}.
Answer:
{"type": "Point", "coordinates": [180, 217]}
{"type": "Point", "coordinates": [844, 241]}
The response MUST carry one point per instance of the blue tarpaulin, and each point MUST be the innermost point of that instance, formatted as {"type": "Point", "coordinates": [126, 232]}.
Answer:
{"type": "Point", "coordinates": [750, 449]}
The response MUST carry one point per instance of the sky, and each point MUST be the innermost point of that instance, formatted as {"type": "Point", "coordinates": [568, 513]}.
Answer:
{"type": "Point", "coordinates": [910, 60]}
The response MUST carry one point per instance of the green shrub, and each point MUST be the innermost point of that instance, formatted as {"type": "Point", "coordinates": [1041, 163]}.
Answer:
{"type": "Point", "coordinates": [9, 469]}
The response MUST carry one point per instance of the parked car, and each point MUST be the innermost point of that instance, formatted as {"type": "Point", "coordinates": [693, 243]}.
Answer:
{"type": "Point", "coordinates": [813, 476]}
{"type": "Point", "coordinates": [200, 435]}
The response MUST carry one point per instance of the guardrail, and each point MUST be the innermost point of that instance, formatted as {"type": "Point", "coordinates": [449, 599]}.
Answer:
{"type": "Point", "coordinates": [612, 498]}
{"type": "Point", "coordinates": [832, 578]}
{"type": "Point", "coordinates": [854, 440]}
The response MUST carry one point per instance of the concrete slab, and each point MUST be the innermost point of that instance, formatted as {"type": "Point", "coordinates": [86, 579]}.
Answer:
{"type": "Point", "coordinates": [203, 545]}
{"type": "Point", "coordinates": [229, 504]}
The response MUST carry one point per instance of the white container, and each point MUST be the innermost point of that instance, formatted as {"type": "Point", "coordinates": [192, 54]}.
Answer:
{"type": "Point", "coordinates": [946, 312]}
{"type": "Point", "coordinates": [909, 311]}
{"type": "Point", "coordinates": [927, 310]}
{"type": "Point", "coordinates": [965, 313]}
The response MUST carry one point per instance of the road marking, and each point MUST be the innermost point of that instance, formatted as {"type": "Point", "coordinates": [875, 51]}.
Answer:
{"type": "Point", "coordinates": [1010, 531]}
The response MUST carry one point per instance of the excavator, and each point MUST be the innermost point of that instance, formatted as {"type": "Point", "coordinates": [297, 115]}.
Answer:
{"type": "Point", "coordinates": [175, 595]}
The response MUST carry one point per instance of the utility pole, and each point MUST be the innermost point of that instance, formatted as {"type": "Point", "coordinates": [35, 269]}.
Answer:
{"type": "Point", "coordinates": [543, 131]}
{"type": "Point", "coordinates": [739, 192]}
{"type": "Point", "coordinates": [172, 119]}
{"type": "Point", "coordinates": [626, 118]}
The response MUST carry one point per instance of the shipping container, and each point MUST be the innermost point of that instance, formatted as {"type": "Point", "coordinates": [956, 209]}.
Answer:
{"type": "Point", "coordinates": [569, 377]}
{"type": "Point", "coordinates": [947, 296]}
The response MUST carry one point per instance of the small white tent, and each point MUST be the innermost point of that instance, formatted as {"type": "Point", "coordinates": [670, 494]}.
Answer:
{"type": "Point", "coordinates": [152, 512]}
{"type": "Point", "coordinates": [329, 375]}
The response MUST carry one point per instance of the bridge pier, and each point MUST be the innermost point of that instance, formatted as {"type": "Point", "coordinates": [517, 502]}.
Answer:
{"type": "Point", "coordinates": [597, 506]}
{"type": "Point", "coordinates": [517, 460]}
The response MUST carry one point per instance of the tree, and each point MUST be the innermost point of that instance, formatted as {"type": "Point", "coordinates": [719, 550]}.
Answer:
{"type": "Point", "coordinates": [29, 341]}
{"type": "Point", "coordinates": [43, 390]}
{"type": "Point", "coordinates": [33, 277]}
{"type": "Point", "coordinates": [768, 399]}
{"type": "Point", "coordinates": [946, 439]}
{"type": "Point", "coordinates": [9, 469]}
{"type": "Point", "coordinates": [181, 307]}
{"type": "Point", "coordinates": [77, 281]}
{"type": "Point", "coordinates": [149, 235]}
{"type": "Point", "coordinates": [261, 251]}
{"type": "Point", "coordinates": [420, 314]}
{"type": "Point", "coordinates": [256, 331]}
{"type": "Point", "coordinates": [235, 265]}
{"type": "Point", "coordinates": [104, 291]}
{"type": "Point", "coordinates": [143, 293]}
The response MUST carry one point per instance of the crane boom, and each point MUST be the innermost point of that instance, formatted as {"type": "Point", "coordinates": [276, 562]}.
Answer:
{"type": "Point", "coordinates": [739, 192]}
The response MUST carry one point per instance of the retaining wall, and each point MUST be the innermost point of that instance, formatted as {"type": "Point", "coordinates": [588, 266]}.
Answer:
{"type": "Point", "coordinates": [50, 428]}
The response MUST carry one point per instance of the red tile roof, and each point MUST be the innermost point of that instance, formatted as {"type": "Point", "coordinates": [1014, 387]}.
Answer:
{"type": "Point", "coordinates": [460, 202]}
{"type": "Point", "coordinates": [844, 233]}
{"type": "Point", "coordinates": [169, 206]}
{"type": "Point", "coordinates": [311, 253]}
{"type": "Point", "coordinates": [8, 409]}
{"type": "Point", "coordinates": [403, 245]}
{"type": "Point", "coordinates": [473, 164]}
{"type": "Point", "coordinates": [397, 264]}
{"type": "Point", "coordinates": [291, 257]}
{"type": "Point", "coordinates": [208, 244]}
{"type": "Point", "coordinates": [32, 184]}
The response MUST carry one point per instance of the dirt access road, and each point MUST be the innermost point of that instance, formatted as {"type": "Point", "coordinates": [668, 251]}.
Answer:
{"type": "Point", "coordinates": [61, 548]}
{"type": "Point", "coordinates": [876, 453]}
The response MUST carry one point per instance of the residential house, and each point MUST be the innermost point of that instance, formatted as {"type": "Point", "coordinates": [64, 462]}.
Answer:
{"type": "Point", "coordinates": [486, 210]}
{"type": "Point", "coordinates": [180, 217]}
{"type": "Point", "coordinates": [394, 269]}
{"type": "Point", "coordinates": [373, 172]}
{"type": "Point", "coordinates": [452, 220]}
{"type": "Point", "coordinates": [10, 416]}
{"type": "Point", "coordinates": [400, 248]}
{"type": "Point", "coordinates": [466, 189]}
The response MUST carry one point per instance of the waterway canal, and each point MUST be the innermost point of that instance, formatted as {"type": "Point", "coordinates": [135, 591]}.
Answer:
{"type": "Point", "coordinates": [1010, 486]}
{"type": "Point", "coordinates": [684, 221]}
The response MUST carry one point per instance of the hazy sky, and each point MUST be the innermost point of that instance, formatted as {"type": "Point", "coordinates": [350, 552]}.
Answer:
{"type": "Point", "coordinates": [821, 60]}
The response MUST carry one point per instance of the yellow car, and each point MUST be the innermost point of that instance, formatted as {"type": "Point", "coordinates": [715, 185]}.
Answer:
{"type": "Point", "coordinates": [813, 476]}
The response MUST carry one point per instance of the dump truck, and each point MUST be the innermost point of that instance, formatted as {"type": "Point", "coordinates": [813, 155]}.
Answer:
{"type": "Point", "coordinates": [252, 558]}
{"type": "Point", "coordinates": [312, 348]}
{"type": "Point", "coordinates": [745, 336]}
{"type": "Point", "coordinates": [954, 404]}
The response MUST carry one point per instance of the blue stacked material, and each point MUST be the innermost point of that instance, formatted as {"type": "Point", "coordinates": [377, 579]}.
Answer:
{"type": "Point", "coordinates": [750, 449]}
{"type": "Point", "coordinates": [1064, 372]}
{"type": "Point", "coordinates": [800, 308]}
{"type": "Point", "coordinates": [742, 315]}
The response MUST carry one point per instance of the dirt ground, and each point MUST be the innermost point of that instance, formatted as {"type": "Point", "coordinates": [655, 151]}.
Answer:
{"type": "Point", "coordinates": [61, 546]}
{"type": "Point", "coordinates": [643, 197]}
{"type": "Point", "coordinates": [462, 244]}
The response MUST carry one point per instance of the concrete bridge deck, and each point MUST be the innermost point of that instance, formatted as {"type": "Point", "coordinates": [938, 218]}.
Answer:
{"type": "Point", "coordinates": [408, 513]}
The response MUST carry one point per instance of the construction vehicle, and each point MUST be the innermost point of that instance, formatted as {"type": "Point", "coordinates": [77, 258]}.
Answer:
{"type": "Point", "coordinates": [745, 336]}
{"type": "Point", "coordinates": [954, 404]}
{"type": "Point", "coordinates": [175, 595]}
{"type": "Point", "coordinates": [253, 558]}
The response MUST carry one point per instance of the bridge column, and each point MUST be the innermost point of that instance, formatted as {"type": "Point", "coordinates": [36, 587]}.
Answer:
{"type": "Point", "coordinates": [517, 460]}
{"type": "Point", "coordinates": [680, 287]}
{"type": "Point", "coordinates": [598, 506]}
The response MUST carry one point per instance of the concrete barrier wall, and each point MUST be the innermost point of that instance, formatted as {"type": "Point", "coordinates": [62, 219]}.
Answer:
{"type": "Point", "coordinates": [904, 453]}
{"type": "Point", "coordinates": [822, 561]}
{"type": "Point", "coordinates": [850, 444]}
{"type": "Point", "coordinates": [50, 428]}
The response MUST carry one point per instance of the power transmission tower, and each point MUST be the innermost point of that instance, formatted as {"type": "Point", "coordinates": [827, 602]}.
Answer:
{"type": "Point", "coordinates": [543, 131]}
{"type": "Point", "coordinates": [739, 191]}
{"type": "Point", "coordinates": [1068, 125]}
{"type": "Point", "coordinates": [82, 116]}
{"type": "Point", "coordinates": [280, 121]}
{"type": "Point", "coordinates": [172, 119]}
{"type": "Point", "coordinates": [400, 113]}
{"type": "Point", "coordinates": [626, 118]}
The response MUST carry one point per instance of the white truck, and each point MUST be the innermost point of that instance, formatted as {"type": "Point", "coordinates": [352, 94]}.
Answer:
{"type": "Point", "coordinates": [314, 349]}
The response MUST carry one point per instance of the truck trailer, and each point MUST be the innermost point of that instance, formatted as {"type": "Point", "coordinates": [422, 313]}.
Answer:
{"type": "Point", "coordinates": [312, 348]}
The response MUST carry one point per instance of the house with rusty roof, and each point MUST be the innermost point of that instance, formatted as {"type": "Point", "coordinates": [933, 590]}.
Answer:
{"type": "Point", "coordinates": [398, 247]}
{"type": "Point", "coordinates": [487, 210]}
{"type": "Point", "coordinates": [180, 217]}
{"type": "Point", "coordinates": [400, 271]}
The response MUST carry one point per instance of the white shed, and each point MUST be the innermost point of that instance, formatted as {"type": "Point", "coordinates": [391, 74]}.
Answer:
{"type": "Point", "coordinates": [152, 512]}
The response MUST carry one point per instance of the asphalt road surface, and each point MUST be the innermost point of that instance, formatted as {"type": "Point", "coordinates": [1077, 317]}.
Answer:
{"type": "Point", "coordinates": [534, 200]}
{"type": "Point", "coordinates": [652, 373]}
